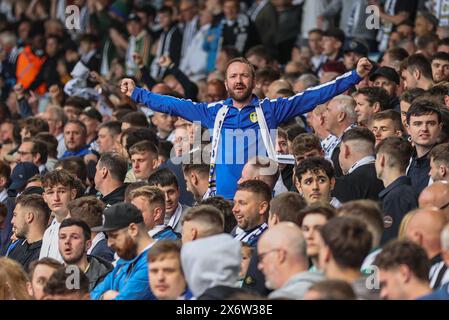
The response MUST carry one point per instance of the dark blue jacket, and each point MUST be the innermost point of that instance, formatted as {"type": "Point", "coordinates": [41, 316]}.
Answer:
{"type": "Point", "coordinates": [103, 251]}
{"type": "Point", "coordinates": [418, 172]}
{"type": "Point", "coordinates": [397, 199]}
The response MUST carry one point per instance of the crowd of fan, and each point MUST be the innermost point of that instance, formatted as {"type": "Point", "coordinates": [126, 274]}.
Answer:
{"type": "Point", "coordinates": [94, 183]}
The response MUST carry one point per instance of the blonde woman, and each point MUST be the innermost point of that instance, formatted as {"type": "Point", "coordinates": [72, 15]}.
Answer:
{"type": "Point", "coordinates": [13, 281]}
{"type": "Point", "coordinates": [402, 234]}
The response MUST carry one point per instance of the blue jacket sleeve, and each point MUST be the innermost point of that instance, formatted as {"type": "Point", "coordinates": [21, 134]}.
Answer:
{"type": "Point", "coordinates": [137, 287]}
{"type": "Point", "coordinates": [287, 108]}
{"type": "Point", "coordinates": [25, 109]}
{"type": "Point", "coordinates": [103, 286]}
{"type": "Point", "coordinates": [189, 110]}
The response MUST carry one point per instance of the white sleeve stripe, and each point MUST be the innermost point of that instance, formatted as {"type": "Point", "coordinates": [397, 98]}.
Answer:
{"type": "Point", "coordinates": [213, 104]}
{"type": "Point", "coordinates": [345, 75]}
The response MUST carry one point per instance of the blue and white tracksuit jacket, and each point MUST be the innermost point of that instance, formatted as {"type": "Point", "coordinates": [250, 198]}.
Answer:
{"type": "Point", "coordinates": [240, 135]}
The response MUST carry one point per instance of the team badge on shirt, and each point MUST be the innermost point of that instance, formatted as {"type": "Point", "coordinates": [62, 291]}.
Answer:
{"type": "Point", "coordinates": [388, 222]}
{"type": "Point", "coordinates": [253, 117]}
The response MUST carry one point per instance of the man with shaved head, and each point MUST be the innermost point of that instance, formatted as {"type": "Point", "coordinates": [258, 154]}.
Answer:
{"type": "Point", "coordinates": [425, 228]}
{"type": "Point", "coordinates": [283, 260]}
{"type": "Point", "coordinates": [443, 292]}
{"type": "Point", "coordinates": [264, 169]}
{"type": "Point", "coordinates": [436, 195]}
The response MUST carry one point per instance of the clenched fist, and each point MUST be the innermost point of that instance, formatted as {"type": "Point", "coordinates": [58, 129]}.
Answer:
{"type": "Point", "coordinates": [363, 67]}
{"type": "Point", "coordinates": [127, 86]}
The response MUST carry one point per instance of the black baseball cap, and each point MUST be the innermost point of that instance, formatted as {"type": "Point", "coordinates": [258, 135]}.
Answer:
{"type": "Point", "coordinates": [21, 173]}
{"type": "Point", "coordinates": [92, 113]}
{"type": "Point", "coordinates": [357, 46]}
{"type": "Point", "coordinates": [119, 216]}
{"type": "Point", "coordinates": [386, 72]}
{"type": "Point", "coordinates": [133, 17]}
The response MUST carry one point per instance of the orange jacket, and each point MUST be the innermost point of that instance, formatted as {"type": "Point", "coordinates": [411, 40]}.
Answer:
{"type": "Point", "coordinates": [28, 66]}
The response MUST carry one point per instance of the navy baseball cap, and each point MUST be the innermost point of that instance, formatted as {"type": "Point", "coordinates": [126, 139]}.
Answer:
{"type": "Point", "coordinates": [22, 172]}
{"type": "Point", "coordinates": [335, 33]}
{"type": "Point", "coordinates": [119, 216]}
{"type": "Point", "coordinates": [92, 113]}
{"type": "Point", "coordinates": [386, 72]}
{"type": "Point", "coordinates": [134, 17]}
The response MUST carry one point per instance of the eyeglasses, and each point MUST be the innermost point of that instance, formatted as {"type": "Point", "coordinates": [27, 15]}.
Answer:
{"type": "Point", "coordinates": [261, 256]}
{"type": "Point", "coordinates": [444, 206]}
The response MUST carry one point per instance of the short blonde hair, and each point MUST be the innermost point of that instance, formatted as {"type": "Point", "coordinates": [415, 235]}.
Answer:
{"type": "Point", "coordinates": [13, 280]}
{"type": "Point", "coordinates": [402, 234]}
{"type": "Point", "coordinates": [142, 147]}
{"type": "Point", "coordinates": [151, 193]}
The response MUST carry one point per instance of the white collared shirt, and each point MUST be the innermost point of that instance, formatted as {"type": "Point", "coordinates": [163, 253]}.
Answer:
{"type": "Point", "coordinates": [174, 219]}
{"type": "Point", "coordinates": [361, 162]}
{"type": "Point", "coordinates": [279, 187]}
{"type": "Point", "coordinates": [42, 168]}
{"type": "Point", "coordinates": [335, 203]}
{"type": "Point", "coordinates": [61, 145]}
{"type": "Point", "coordinates": [156, 229]}
{"type": "Point", "coordinates": [50, 242]}
{"type": "Point", "coordinates": [329, 144]}
{"type": "Point", "coordinates": [334, 143]}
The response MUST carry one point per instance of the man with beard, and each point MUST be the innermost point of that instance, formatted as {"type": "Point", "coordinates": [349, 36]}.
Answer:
{"type": "Point", "coordinates": [74, 241]}
{"type": "Point", "coordinates": [251, 207]}
{"type": "Point", "coordinates": [59, 190]}
{"type": "Point", "coordinates": [242, 115]}
{"type": "Point", "coordinates": [75, 137]}
{"type": "Point", "coordinates": [440, 67]}
{"type": "Point", "coordinates": [29, 222]}
{"type": "Point", "coordinates": [128, 237]}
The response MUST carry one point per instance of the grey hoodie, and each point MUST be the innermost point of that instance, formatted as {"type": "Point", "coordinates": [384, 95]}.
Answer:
{"type": "Point", "coordinates": [210, 262]}
{"type": "Point", "coordinates": [297, 285]}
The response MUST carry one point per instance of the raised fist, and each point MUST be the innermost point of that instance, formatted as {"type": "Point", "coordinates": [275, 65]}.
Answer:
{"type": "Point", "coordinates": [127, 86]}
{"type": "Point", "coordinates": [164, 61]}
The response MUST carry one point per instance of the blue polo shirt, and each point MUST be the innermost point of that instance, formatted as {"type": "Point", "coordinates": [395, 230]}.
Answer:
{"type": "Point", "coordinates": [79, 153]}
